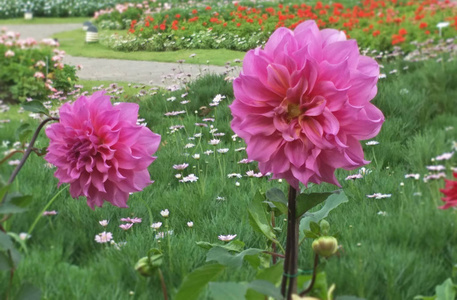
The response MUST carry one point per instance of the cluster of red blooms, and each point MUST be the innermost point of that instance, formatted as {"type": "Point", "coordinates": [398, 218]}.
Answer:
{"type": "Point", "coordinates": [372, 18]}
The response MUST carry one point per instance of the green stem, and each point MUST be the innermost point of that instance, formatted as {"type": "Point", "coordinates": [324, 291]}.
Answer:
{"type": "Point", "coordinates": [149, 210]}
{"type": "Point", "coordinates": [169, 245]}
{"type": "Point", "coordinates": [45, 208]}
{"type": "Point", "coordinates": [27, 153]}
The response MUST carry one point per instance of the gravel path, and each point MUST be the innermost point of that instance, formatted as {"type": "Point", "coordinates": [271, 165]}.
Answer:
{"type": "Point", "coordinates": [145, 72]}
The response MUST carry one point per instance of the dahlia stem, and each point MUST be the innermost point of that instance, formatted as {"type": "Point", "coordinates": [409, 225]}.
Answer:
{"type": "Point", "coordinates": [162, 284]}
{"type": "Point", "coordinates": [291, 259]}
{"type": "Point", "coordinates": [27, 153]}
{"type": "Point", "coordinates": [313, 279]}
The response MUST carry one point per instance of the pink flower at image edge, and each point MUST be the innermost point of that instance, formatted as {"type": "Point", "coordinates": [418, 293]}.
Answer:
{"type": "Point", "coordinates": [100, 150]}
{"type": "Point", "coordinates": [302, 104]}
{"type": "Point", "coordinates": [450, 191]}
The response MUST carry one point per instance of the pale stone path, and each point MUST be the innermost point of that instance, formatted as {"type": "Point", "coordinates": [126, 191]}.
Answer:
{"type": "Point", "coordinates": [144, 72]}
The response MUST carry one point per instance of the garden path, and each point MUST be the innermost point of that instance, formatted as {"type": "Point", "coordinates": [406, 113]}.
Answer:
{"type": "Point", "coordinates": [144, 72]}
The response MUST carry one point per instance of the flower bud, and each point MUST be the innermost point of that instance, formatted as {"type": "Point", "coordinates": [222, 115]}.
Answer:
{"type": "Point", "coordinates": [325, 246]}
{"type": "Point", "coordinates": [144, 267]}
{"type": "Point", "coordinates": [325, 227]}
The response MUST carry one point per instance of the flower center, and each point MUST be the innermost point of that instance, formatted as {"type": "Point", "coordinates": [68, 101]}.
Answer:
{"type": "Point", "coordinates": [293, 111]}
{"type": "Point", "coordinates": [80, 150]}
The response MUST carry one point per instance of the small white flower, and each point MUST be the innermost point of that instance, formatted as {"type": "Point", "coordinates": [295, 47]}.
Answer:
{"type": "Point", "coordinates": [237, 183]}
{"type": "Point", "coordinates": [382, 213]}
{"type": "Point", "coordinates": [24, 236]}
{"type": "Point", "coordinates": [436, 168]}
{"type": "Point", "coordinates": [355, 176]}
{"type": "Point", "coordinates": [415, 176]}
{"type": "Point", "coordinates": [371, 143]}
{"type": "Point", "coordinates": [223, 150]}
{"type": "Point", "coordinates": [214, 142]}
{"type": "Point", "coordinates": [208, 152]}
{"type": "Point", "coordinates": [104, 237]}
{"type": "Point", "coordinates": [165, 213]}
{"type": "Point", "coordinates": [190, 224]}
{"type": "Point", "coordinates": [104, 223]}
{"type": "Point", "coordinates": [178, 176]}
{"type": "Point", "coordinates": [226, 238]}
{"type": "Point", "coordinates": [231, 175]}
{"type": "Point", "coordinates": [379, 196]}
{"type": "Point", "coordinates": [187, 146]}
{"type": "Point", "coordinates": [445, 156]}
{"type": "Point", "coordinates": [156, 225]}
{"type": "Point", "coordinates": [196, 156]}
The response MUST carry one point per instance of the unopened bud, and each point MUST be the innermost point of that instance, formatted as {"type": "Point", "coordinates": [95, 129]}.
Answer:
{"type": "Point", "coordinates": [325, 246]}
{"type": "Point", "coordinates": [144, 267]}
{"type": "Point", "coordinates": [325, 227]}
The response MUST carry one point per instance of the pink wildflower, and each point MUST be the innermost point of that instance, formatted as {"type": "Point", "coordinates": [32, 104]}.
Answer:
{"type": "Point", "coordinates": [302, 104]}
{"type": "Point", "coordinates": [100, 150]}
{"type": "Point", "coordinates": [9, 53]}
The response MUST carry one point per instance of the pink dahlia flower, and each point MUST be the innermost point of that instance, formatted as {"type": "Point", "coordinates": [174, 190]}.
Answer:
{"type": "Point", "coordinates": [302, 104]}
{"type": "Point", "coordinates": [100, 150]}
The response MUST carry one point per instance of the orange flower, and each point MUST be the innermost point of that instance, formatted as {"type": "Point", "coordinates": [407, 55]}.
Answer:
{"type": "Point", "coordinates": [402, 31]}
{"type": "Point", "coordinates": [423, 25]}
{"type": "Point", "coordinates": [376, 33]}
{"type": "Point", "coordinates": [208, 7]}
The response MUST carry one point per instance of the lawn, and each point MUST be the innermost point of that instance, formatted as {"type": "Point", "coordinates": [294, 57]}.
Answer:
{"type": "Point", "coordinates": [73, 42]}
{"type": "Point", "coordinates": [68, 20]}
{"type": "Point", "coordinates": [391, 248]}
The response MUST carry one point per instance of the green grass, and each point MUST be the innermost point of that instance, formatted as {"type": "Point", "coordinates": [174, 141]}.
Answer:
{"type": "Point", "coordinates": [398, 256]}
{"type": "Point", "coordinates": [22, 21]}
{"type": "Point", "coordinates": [73, 42]}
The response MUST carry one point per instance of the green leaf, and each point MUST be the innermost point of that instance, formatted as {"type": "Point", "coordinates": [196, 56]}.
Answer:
{"type": "Point", "coordinates": [3, 191]}
{"type": "Point", "coordinates": [36, 107]}
{"type": "Point", "coordinates": [5, 264]}
{"type": "Point", "coordinates": [311, 235]}
{"type": "Point", "coordinates": [21, 200]}
{"type": "Point", "coordinates": [351, 298]}
{"type": "Point", "coordinates": [307, 201]}
{"type": "Point", "coordinates": [29, 292]}
{"type": "Point", "coordinates": [278, 199]}
{"type": "Point", "coordinates": [258, 218]}
{"type": "Point", "coordinates": [315, 228]}
{"type": "Point", "coordinates": [5, 241]}
{"type": "Point", "coordinates": [194, 283]}
{"type": "Point", "coordinates": [227, 290]}
{"type": "Point", "coordinates": [23, 132]}
{"type": "Point", "coordinates": [236, 245]}
{"type": "Point", "coordinates": [224, 257]}
{"type": "Point", "coordinates": [331, 203]}
{"type": "Point", "coordinates": [8, 208]}
{"type": "Point", "coordinates": [272, 274]}
{"type": "Point", "coordinates": [446, 291]}
{"type": "Point", "coordinates": [265, 288]}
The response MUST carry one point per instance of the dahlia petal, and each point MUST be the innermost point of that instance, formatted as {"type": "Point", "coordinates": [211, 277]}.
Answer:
{"type": "Point", "coordinates": [278, 78]}
{"type": "Point", "coordinates": [296, 153]}
{"type": "Point", "coordinates": [330, 36]}
{"type": "Point", "coordinates": [368, 66]}
{"type": "Point", "coordinates": [277, 41]}
{"type": "Point", "coordinates": [261, 148]}
{"type": "Point", "coordinates": [128, 112]}
{"type": "Point", "coordinates": [363, 88]}
{"type": "Point", "coordinates": [254, 61]}
{"type": "Point", "coordinates": [336, 98]}
{"type": "Point", "coordinates": [339, 74]}
{"type": "Point", "coordinates": [257, 125]}
{"type": "Point", "coordinates": [337, 52]}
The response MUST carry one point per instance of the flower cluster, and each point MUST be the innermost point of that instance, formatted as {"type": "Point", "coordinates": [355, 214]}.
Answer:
{"type": "Point", "coordinates": [378, 24]}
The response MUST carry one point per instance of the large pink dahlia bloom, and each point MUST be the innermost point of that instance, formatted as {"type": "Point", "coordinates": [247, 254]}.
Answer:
{"type": "Point", "coordinates": [100, 150]}
{"type": "Point", "coordinates": [302, 104]}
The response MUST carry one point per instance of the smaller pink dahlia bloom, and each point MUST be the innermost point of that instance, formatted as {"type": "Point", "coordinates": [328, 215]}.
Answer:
{"type": "Point", "coordinates": [100, 150]}
{"type": "Point", "coordinates": [302, 104]}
